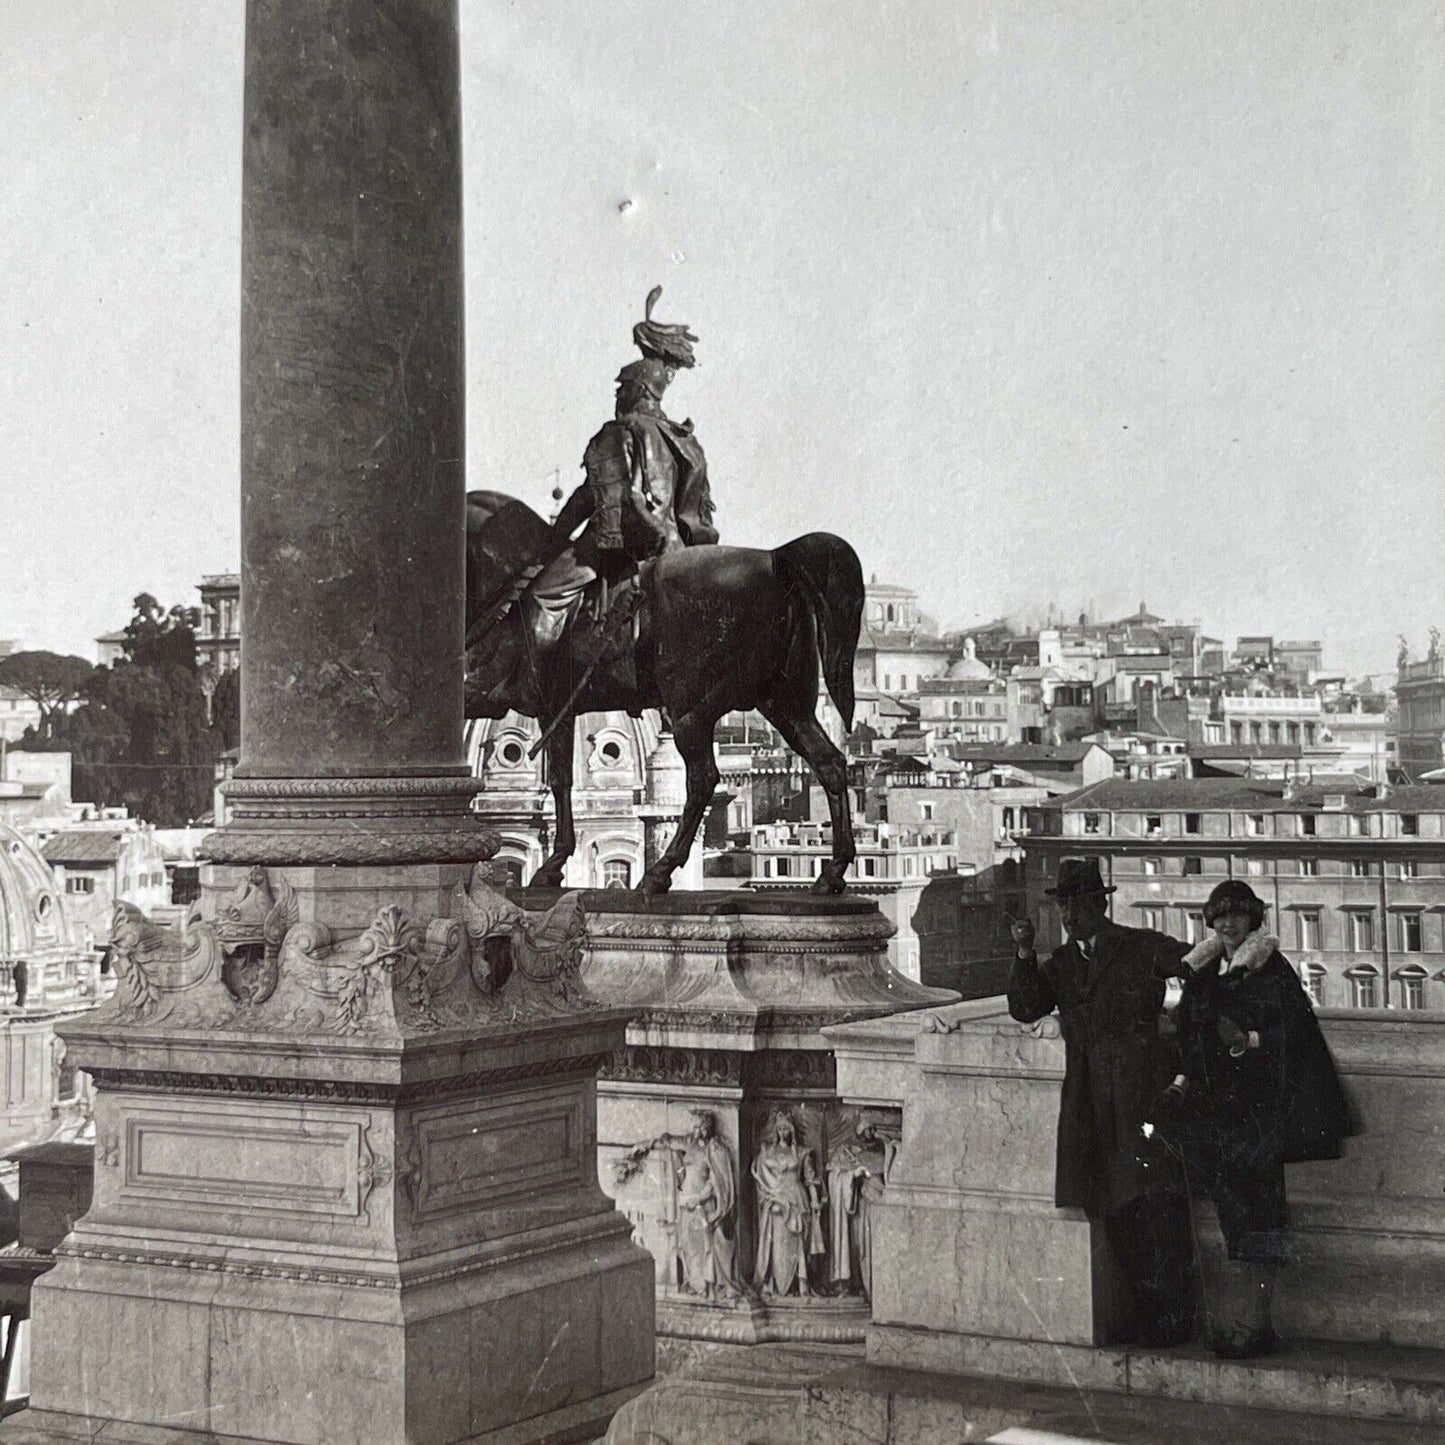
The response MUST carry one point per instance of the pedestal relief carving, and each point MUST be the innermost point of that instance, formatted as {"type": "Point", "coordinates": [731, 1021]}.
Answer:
{"type": "Point", "coordinates": [166, 974]}
{"type": "Point", "coordinates": [704, 1191]}
{"type": "Point", "coordinates": [252, 922]}
{"type": "Point", "coordinates": [790, 1199]}
{"type": "Point", "coordinates": [859, 1162]}
{"type": "Point", "coordinates": [257, 967]}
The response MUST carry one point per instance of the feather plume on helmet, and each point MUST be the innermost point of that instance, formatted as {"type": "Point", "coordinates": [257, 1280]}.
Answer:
{"type": "Point", "coordinates": [667, 342]}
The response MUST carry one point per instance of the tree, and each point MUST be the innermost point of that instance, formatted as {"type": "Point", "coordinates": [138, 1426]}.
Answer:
{"type": "Point", "coordinates": [157, 638]}
{"type": "Point", "coordinates": [49, 679]}
{"type": "Point", "coordinates": [142, 737]}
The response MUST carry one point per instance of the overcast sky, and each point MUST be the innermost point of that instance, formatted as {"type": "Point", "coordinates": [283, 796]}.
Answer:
{"type": "Point", "coordinates": [1052, 302]}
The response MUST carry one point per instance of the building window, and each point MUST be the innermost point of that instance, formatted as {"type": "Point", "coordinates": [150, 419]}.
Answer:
{"type": "Point", "coordinates": [1307, 825]}
{"type": "Point", "coordinates": [1091, 822]}
{"type": "Point", "coordinates": [1254, 867]}
{"type": "Point", "coordinates": [1307, 928]}
{"type": "Point", "coordinates": [617, 873]}
{"type": "Point", "coordinates": [1412, 988]}
{"type": "Point", "coordinates": [925, 812]}
{"type": "Point", "coordinates": [79, 885]}
{"type": "Point", "coordinates": [1153, 823]}
{"type": "Point", "coordinates": [1314, 982]}
{"type": "Point", "coordinates": [1360, 868]}
{"type": "Point", "coordinates": [1008, 820]}
{"type": "Point", "coordinates": [1309, 867]}
{"type": "Point", "coordinates": [1410, 933]}
{"type": "Point", "coordinates": [1362, 934]}
{"type": "Point", "coordinates": [1151, 867]}
{"type": "Point", "coordinates": [1192, 823]}
{"type": "Point", "coordinates": [1194, 927]}
{"type": "Point", "coordinates": [1254, 825]}
{"type": "Point", "coordinates": [1409, 825]}
{"type": "Point", "coordinates": [1193, 866]}
{"type": "Point", "coordinates": [870, 867]}
{"type": "Point", "coordinates": [1409, 868]}
{"type": "Point", "coordinates": [1364, 989]}
{"type": "Point", "coordinates": [1153, 918]}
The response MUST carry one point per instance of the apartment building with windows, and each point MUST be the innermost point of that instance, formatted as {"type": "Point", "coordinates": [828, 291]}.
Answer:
{"type": "Point", "coordinates": [1354, 879]}
{"type": "Point", "coordinates": [218, 638]}
{"type": "Point", "coordinates": [893, 867]}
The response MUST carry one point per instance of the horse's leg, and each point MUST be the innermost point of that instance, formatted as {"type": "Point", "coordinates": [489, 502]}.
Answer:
{"type": "Point", "coordinates": [559, 769]}
{"type": "Point", "coordinates": [806, 737]}
{"type": "Point", "coordinates": [694, 742]}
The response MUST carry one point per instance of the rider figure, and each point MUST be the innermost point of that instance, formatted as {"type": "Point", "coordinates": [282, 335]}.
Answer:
{"type": "Point", "coordinates": [646, 485]}
{"type": "Point", "coordinates": [645, 492]}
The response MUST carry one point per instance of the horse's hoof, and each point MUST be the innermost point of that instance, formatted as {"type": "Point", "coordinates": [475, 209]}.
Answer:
{"type": "Point", "coordinates": [829, 883]}
{"type": "Point", "coordinates": [655, 883]}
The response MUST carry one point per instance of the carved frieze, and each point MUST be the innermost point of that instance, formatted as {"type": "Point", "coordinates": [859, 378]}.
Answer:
{"type": "Point", "coordinates": [258, 967]}
{"type": "Point", "coordinates": [700, 1067]}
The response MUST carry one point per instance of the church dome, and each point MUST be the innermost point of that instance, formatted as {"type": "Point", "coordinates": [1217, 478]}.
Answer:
{"type": "Point", "coordinates": [33, 921]}
{"type": "Point", "coordinates": [968, 667]}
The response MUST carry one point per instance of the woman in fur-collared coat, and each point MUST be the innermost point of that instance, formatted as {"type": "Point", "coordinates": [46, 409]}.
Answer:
{"type": "Point", "coordinates": [1258, 1090]}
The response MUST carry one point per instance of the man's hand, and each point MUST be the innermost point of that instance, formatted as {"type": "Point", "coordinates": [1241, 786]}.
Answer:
{"type": "Point", "coordinates": [1231, 1036]}
{"type": "Point", "coordinates": [1022, 931]}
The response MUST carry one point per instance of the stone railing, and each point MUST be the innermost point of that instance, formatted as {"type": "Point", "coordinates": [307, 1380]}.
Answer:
{"type": "Point", "coordinates": [967, 1242]}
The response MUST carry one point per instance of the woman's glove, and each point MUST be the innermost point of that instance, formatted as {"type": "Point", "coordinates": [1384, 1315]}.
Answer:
{"type": "Point", "coordinates": [1233, 1037]}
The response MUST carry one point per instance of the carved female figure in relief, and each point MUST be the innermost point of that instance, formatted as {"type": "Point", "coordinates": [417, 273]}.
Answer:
{"type": "Point", "coordinates": [790, 1209]}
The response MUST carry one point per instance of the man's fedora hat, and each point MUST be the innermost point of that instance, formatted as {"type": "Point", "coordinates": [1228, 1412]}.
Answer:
{"type": "Point", "coordinates": [1078, 876]}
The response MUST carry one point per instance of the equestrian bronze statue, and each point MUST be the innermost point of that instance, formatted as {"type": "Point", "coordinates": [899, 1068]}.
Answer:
{"type": "Point", "coordinates": [627, 602]}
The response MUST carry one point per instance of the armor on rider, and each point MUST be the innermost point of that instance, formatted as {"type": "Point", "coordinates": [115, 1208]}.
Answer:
{"type": "Point", "coordinates": [645, 491]}
{"type": "Point", "coordinates": [646, 477]}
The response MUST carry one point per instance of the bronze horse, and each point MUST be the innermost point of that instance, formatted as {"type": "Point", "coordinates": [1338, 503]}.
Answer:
{"type": "Point", "coordinates": [718, 629]}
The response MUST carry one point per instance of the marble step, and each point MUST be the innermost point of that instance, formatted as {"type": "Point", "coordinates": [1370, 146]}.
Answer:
{"type": "Point", "coordinates": [1360, 1381]}
{"type": "Point", "coordinates": [798, 1395]}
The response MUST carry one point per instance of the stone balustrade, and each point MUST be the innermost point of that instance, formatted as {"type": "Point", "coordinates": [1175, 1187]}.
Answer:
{"type": "Point", "coordinates": [968, 1243]}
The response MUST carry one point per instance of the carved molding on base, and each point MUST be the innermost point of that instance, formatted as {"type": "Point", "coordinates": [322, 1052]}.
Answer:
{"type": "Point", "coordinates": [256, 968]}
{"type": "Point", "coordinates": [374, 847]}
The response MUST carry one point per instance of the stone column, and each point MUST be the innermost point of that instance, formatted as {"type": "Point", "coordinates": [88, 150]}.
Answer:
{"type": "Point", "coordinates": [352, 487]}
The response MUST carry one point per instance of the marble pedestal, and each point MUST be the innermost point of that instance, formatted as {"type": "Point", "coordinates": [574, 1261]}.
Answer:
{"type": "Point", "coordinates": [729, 992]}
{"type": "Point", "coordinates": [363, 1208]}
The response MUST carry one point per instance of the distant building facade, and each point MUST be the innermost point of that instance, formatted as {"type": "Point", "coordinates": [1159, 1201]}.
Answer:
{"type": "Point", "coordinates": [1354, 879]}
{"type": "Point", "coordinates": [618, 775]}
{"type": "Point", "coordinates": [1420, 725]}
{"type": "Point", "coordinates": [893, 867]}
{"type": "Point", "coordinates": [17, 713]}
{"type": "Point", "coordinates": [218, 640]}
{"type": "Point", "coordinates": [99, 864]}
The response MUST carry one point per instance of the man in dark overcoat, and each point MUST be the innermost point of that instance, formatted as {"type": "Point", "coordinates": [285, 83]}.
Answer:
{"type": "Point", "coordinates": [1107, 983]}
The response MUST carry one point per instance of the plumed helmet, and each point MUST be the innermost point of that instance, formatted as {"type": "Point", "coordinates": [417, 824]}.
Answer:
{"type": "Point", "coordinates": [651, 376]}
{"type": "Point", "coordinates": [661, 341]}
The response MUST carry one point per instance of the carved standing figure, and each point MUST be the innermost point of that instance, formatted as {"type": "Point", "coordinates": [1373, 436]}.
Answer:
{"type": "Point", "coordinates": [707, 1203]}
{"type": "Point", "coordinates": [790, 1209]}
{"type": "Point", "coordinates": [857, 1174]}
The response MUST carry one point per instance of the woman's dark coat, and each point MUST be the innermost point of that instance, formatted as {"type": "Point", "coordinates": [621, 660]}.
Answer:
{"type": "Point", "coordinates": [1115, 1062]}
{"type": "Point", "coordinates": [1286, 1090]}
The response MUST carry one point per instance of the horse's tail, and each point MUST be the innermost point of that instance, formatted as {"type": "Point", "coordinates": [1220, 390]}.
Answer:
{"type": "Point", "coordinates": [827, 572]}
